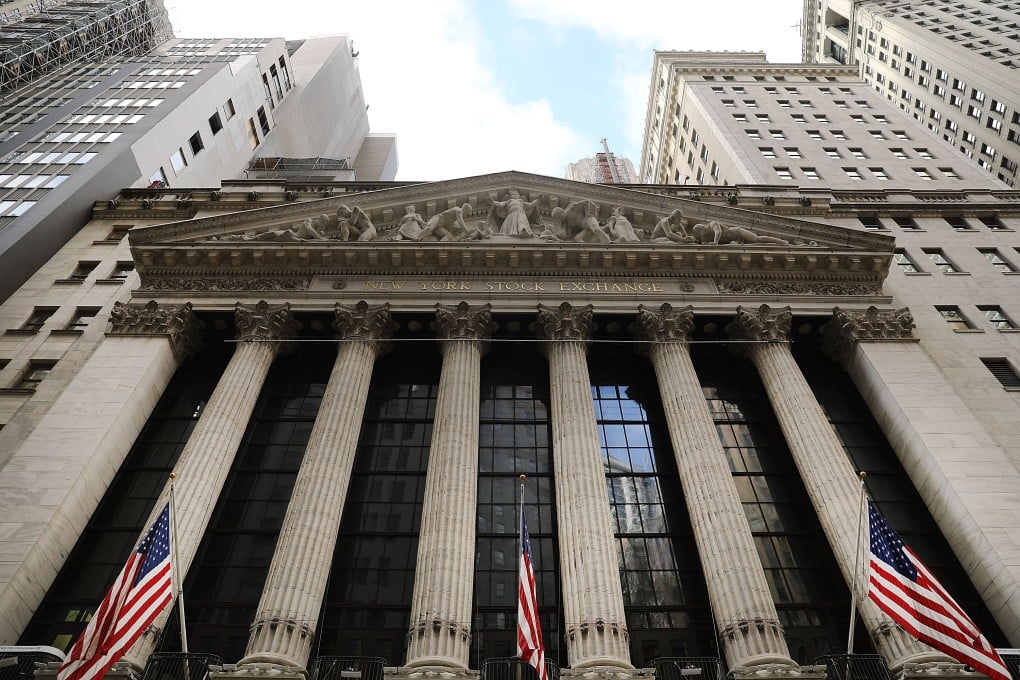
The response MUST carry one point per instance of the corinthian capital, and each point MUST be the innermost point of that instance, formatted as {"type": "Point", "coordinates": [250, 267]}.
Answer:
{"type": "Point", "coordinates": [565, 322]}
{"type": "Point", "coordinates": [263, 321]}
{"type": "Point", "coordinates": [463, 322]}
{"type": "Point", "coordinates": [665, 324]}
{"type": "Point", "coordinates": [363, 321]}
{"type": "Point", "coordinates": [848, 328]}
{"type": "Point", "coordinates": [176, 322]}
{"type": "Point", "coordinates": [765, 324]}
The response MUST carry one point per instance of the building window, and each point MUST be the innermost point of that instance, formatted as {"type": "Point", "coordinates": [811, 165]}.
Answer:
{"type": "Point", "coordinates": [810, 173]}
{"type": "Point", "coordinates": [998, 261]}
{"type": "Point", "coordinates": [958, 223]}
{"type": "Point", "coordinates": [784, 173]}
{"type": "Point", "coordinates": [263, 120]}
{"type": "Point", "coordinates": [82, 271]}
{"type": "Point", "coordinates": [853, 173]}
{"type": "Point", "coordinates": [879, 174]}
{"type": "Point", "coordinates": [37, 318]}
{"type": "Point", "coordinates": [122, 270]}
{"type": "Point", "coordinates": [838, 135]}
{"type": "Point", "coordinates": [196, 143]}
{"type": "Point", "coordinates": [34, 374]}
{"type": "Point", "coordinates": [832, 152]}
{"type": "Point", "coordinates": [997, 317]}
{"type": "Point", "coordinates": [82, 317]}
{"type": "Point", "coordinates": [922, 173]}
{"type": "Point", "coordinates": [228, 108]}
{"type": "Point", "coordinates": [777, 134]}
{"type": "Point", "coordinates": [903, 261]}
{"type": "Point", "coordinates": [286, 73]}
{"type": "Point", "coordinates": [178, 161]}
{"type": "Point", "coordinates": [215, 123]}
{"type": "Point", "coordinates": [158, 179]}
{"type": "Point", "coordinates": [1003, 372]}
{"type": "Point", "coordinates": [954, 317]}
{"type": "Point", "coordinates": [993, 222]}
{"type": "Point", "coordinates": [253, 135]}
{"type": "Point", "coordinates": [767, 152]}
{"type": "Point", "coordinates": [118, 232]}
{"type": "Point", "coordinates": [943, 263]}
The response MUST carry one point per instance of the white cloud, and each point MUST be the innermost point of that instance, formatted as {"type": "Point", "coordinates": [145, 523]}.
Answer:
{"type": "Point", "coordinates": [422, 73]}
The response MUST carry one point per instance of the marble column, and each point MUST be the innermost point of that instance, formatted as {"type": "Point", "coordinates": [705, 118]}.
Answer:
{"type": "Point", "coordinates": [440, 632]}
{"type": "Point", "coordinates": [206, 459]}
{"type": "Point", "coordinates": [86, 433]}
{"type": "Point", "coordinates": [596, 628]}
{"type": "Point", "coordinates": [288, 612]}
{"type": "Point", "coordinates": [951, 457]}
{"type": "Point", "coordinates": [745, 614]}
{"type": "Point", "coordinates": [826, 471]}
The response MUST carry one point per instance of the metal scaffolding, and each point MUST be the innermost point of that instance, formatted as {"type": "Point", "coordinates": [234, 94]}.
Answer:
{"type": "Point", "coordinates": [78, 31]}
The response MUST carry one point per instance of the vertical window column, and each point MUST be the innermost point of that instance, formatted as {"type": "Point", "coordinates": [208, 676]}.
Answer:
{"type": "Point", "coordinates": [205, 461]}
{"type": "Point", "coordinates": [440, 632]}
{"type": "Point", "coordinates": [827, 474]}
{"type": "Point", "coordinates": [283, 630]}
{"type": "Point", "coordinates": [593, 609]}
{"type": "Point", "coordinates": [744, 611]}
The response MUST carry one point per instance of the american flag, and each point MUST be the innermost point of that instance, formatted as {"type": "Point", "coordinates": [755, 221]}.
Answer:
{"type": "Point", "coordinates": [904, 589]}
{"type": "Point", "coordinates": [529, 628]}
{"type": "Point", "coordinates": [139, 594]}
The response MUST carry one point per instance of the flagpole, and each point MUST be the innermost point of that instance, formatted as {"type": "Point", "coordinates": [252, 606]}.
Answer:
{"type": "Point", "coordinates": [175, 566]}
{"type": "Point", "coordinates": [857, 566]}
{"type": "Point", "coordinates": [520, 552]}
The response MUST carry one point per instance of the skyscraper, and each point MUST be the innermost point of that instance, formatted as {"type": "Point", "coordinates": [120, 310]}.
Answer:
{"type": "Point", "coordinates": [184, 113]}
{"type": "Point", "coordinates": [953, 67]}
{"type": "Point", "coordinates": [604, 167]}
{"type": "Point", "coordinates": [723, 118]}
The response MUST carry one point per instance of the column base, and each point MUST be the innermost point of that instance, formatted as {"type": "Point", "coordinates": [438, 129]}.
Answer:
{"type": "Point", "coordinates": [275, 660]}
{"type": "Point", "coordinates": [602, 671]}
{"type": "Point", "coordinates": [122, 670]}
{"type": "Point", "coordinates": [436, 663]}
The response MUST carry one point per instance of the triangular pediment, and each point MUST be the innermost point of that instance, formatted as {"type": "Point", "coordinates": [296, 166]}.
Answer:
{"type": "Point", "coordinates": [508, 222]}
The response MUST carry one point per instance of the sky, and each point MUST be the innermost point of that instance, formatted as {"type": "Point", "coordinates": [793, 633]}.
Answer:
{"type": "Point", "coordinates": [478, 86]}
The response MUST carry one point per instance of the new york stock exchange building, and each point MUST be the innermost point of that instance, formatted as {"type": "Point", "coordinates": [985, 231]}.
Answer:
{"type": "Point", "coordinates": [349, 381]}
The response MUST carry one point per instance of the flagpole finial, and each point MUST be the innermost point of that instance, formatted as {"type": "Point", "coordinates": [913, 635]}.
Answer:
{"type": "Point", "coordinates": [523, 477]}
{"type": "Point", "coordinates": [862, 474]}
{"type": "Point", "coordinates": [173, 475]}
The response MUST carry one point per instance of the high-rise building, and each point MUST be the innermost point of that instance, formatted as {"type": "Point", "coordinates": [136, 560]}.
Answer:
{"type": "Point", "coordinates": [186, 113]}
{"type": "Point", "coordinates": [604, 167]}
{"type": "Point", "coordinates": [952, 66]}
{"type": "Point", "coordinates": [723, 118]}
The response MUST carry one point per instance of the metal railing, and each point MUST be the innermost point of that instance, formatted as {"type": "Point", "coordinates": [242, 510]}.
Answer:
{"type": "Point", "coordinates": [854, 667]}
{"type": "Point", "coordinates": [512, 668]}
{"type": "Point", "coordinates": [18, 662]}
{"type": "Point", "coordinates": [687, 668]}
{"type": "Point", "coordinates": [347, 668]}
{"type": "Point", "coordinates": [179, 666]}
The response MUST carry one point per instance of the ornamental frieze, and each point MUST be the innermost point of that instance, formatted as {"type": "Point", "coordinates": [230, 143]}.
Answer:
{"type": "Point", "coordinates": [228, 284]}
{"type": "Point", "coordinates": [796, 288]}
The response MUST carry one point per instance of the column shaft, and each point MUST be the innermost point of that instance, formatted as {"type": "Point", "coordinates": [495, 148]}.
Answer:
{"type": "Point", "coordinates": [741, 601]}
{"type": "Point", "coordinates": [440, 633]}
{"type": "Point", "coordinates": [827, 473]}
{"type": "Point", "coordinates": [206, 459]}
{"type": "Point", "coordinates": [589, 563]}
{"type": "Point", "coordinates": [288, 612]}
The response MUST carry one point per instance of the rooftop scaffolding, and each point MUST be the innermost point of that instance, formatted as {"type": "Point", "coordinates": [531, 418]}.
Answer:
{"type": "Point", "coordinates": [78, 31]}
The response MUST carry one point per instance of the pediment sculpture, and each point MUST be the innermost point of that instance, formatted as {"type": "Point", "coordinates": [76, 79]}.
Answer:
{"type": "Point", "coordinates": [513, 217]}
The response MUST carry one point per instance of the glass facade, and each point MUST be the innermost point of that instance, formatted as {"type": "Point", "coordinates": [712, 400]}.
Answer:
{"type": "Point", "coordinates": [368, 600]}
{"type": "Point", "coordinates": [663, 588]}
{"type": "Point", "coordinates": [514, 440]}
{"type": "Point", "coordinates": [118, 522]}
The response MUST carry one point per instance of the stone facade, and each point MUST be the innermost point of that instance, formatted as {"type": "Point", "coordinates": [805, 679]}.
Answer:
{"type": "Point", "coordinates": [552, 257]}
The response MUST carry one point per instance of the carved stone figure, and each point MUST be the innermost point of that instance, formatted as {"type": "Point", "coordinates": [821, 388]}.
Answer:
{"type": "Point", "coordinates": [355, 224]}
{"type": "Point", "coordinates": [620, 228]}
{"type": "Point", "coordinates": [672, 228]}
{"type": "Point", "coordinates": [320, 228]}
{"type": "Point", "coordinates": [717, 233]}
{"type": "Point", "coordinates": [580, 222]}
{"type": "Point", "coordinates": [515, 216]}
{"type": "Point", "coordinates": [448, 225]}
{"type": "Point", "coordinates": [410, 225]}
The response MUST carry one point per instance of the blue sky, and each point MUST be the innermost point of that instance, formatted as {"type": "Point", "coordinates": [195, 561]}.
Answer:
{"type": "Point", "coordinates": [476, 86]}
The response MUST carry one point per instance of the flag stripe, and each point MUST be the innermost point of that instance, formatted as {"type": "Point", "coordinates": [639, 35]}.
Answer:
{"type": "Point", "coordinates": [529, 629]}
{"type": "Point", "coordinates": [140, 592]}
{"type": "Point", "coordinates": [903, 587]}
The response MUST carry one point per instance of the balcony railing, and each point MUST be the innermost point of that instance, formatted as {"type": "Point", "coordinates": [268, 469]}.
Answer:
{"type": "Point", "coordinates": [512, 668]}
{"type": "Point", "coordinates": [18, 662]}
{"type": "Point", "coordinates": [687, 668]}
{"type": "Point", "coordinates": [855, 667]}
{"type": "Point", "coordinates": [347, 668]}
{"type": "Point", "coordinates": [180, 666]}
